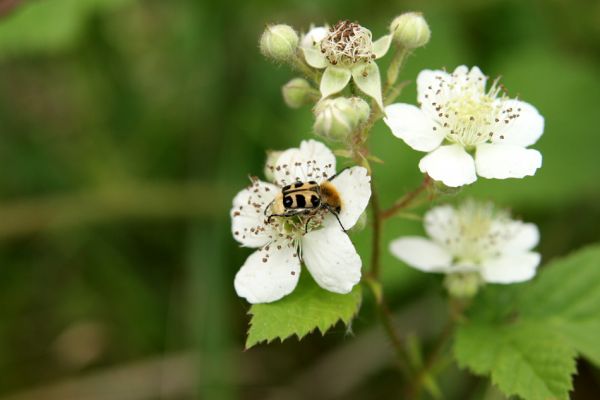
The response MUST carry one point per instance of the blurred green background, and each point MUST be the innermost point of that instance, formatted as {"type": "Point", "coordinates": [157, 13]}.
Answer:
{"type": "Point", "coordinates": [126, 127]}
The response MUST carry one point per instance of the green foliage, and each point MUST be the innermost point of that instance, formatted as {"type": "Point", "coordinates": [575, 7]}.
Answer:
{"type": "Point", "coordinates": [527, 338]}
{"type": "Point", "coordinates": [49, 25]}
{"type": "Point", "coordinates": [308, 308]}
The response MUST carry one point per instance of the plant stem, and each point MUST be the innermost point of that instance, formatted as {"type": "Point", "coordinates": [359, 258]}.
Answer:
{"type": "Point", "coordinates": [407, 199]}
{"type": "Point", "coordinates": [376, 239]}
{"type": "Point", "coordinates": [388, 326]}
{"type": "Point", "coordinates": [298, 63]}
{"type": "Point", "coordinates": [414, 390]}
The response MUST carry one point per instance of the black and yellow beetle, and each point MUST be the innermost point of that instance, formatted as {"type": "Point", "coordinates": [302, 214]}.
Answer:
{"type": "Point", "coordinates": [306, 198]}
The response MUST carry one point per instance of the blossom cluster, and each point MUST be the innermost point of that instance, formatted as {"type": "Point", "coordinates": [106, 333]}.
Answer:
{"type": "Point", "coordinates": [468, 127]}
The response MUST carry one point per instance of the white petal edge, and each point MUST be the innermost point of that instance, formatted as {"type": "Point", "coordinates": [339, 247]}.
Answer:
{"type": "Point", "coordinates": [248, 214]}
{"type": "Point", "coordinates": [264, 282]}
{"type": "Point", "coordinates": [381, 46]}
{"type": "Point", "coordinates": [511, 268]}
{"type": "Point", "coordinates": [422, 254]}
{"type": "Point", "coordinates": [311, 161]}
{"type": "Point", "coordinates": [501, 161]}
{"type": "Point", "coordinates": [354, 187]}
{"type": "Point", "coordinates": [368, 80]}
{"type": "Point", "coordinates": [525, 237]}
{"type": "Point", "coordinates": [334, 80]}
{"type": "Point", "coordinates": [331, 259]}
{"type": "Point", "coordinates": [314, 36]}
{"type": "Point", "coordinates": [524, 130]}
{"type": "Point", "coordinates": [441, 223]}
{"type": "Point", "coordinates": [412, 125]}
{"type": "Point", "coordinates": [449, 164]}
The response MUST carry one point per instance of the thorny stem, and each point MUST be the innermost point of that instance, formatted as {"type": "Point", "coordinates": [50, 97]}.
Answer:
{"type": "Point", "coordinates": [407, 199]}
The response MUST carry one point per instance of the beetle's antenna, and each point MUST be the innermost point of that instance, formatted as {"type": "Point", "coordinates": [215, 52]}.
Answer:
{"type": "Point", "coordinates": [336, 175]}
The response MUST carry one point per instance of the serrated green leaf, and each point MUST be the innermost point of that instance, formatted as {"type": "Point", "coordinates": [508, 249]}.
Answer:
{"type": "Point", "coordinates": [528, 360]}
{"type": "Point", "coordinates": [567, 296]}
{"type": "Point", "coordinates": [527, 337]}
{"type": "Point", "coordinates": [307, 308]}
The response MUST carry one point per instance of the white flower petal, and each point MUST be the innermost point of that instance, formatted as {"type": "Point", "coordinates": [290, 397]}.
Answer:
{"type": "Point", "coordinates": [381, 46]}
{"type": "Point", "coordinates": [511, 268]}
{"type": "Point", "coordinates": [441, 224]}
{"type": "Point", "coordinates": [311, 161]}
{"type": "Point", "coordinates": [268, 275]}
{"type": "Point", "coordinates": [248, 214]}
{"type": "Point", "coordinates": [523, 130]}
{"type": "Point", "coordinates": [472, 79]}
{"type": "Point", "coordinates": [427, 80]}
{"type": "Point", "coordinates": [412, 125]}
{"type": "Point", "coordinates": [314, 36]}
{"type": "Point", "coordinates": [334, 80]}
{"type": "Point", "coordinates": [332, 260]}
{"type": "Point", "coordinates": [501, 161]}
{"type": "Point", "coordinates": [421, 253]}
{"type": "Point", "coordinates": [524, 237]}
{"type": "Point", "coordinates": [368, 80]}
{"type": "Point", "coordinates": [449, 164]}
{"type": "Point", "coordinates": [354, 187]}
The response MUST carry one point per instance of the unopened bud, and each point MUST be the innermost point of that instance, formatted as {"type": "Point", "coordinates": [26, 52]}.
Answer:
{"type": "Point", "coordinates": [410, 30]}
{"type": "Point", "coordinates": [361, 223]}
{"type": "Point", "coordinates": [440, 188]}
{"type": "Point", "coordinates": [279, 42]}
{"type": "Point", "coordinates": [339, 117]}
{"type": "Point", "coordinates": [272, 157]}
{"type": "Point", "coordinates": [298, 92]}
{"type": "Point", "coordinates": [463, 285]}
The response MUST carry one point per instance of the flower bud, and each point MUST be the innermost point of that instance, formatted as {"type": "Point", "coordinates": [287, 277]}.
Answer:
{"type": "Point", "coordinates": [463, 285]}
{"type": "Point", "coordinates": [440, 188]}
{"type": "Point", "coordinates": [298, 92]}
{"type": "Point", "coordinates": [337, 118]}
{"type": "Point", "coordinates": [360, 224]}
{"type": "Point", "coordinates": [272, 157]}
{"type": "Point", "coordinates": [410, 30]}
{"type": "Point", "coordinates": [279, 42]}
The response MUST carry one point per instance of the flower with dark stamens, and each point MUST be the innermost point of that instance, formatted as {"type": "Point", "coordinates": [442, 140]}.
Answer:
{"type": "Point", "coordinates": [466, 129]}
{"type": "Point", "coordinates": [315, 238]}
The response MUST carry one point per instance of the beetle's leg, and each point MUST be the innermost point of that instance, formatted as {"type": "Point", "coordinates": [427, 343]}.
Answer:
{"type": "Point", "coordinates": [335, 214]}
{"type": "Point", "coordinates": [307, 221]}
{"type": "Point", "coordinates": [268, 206]}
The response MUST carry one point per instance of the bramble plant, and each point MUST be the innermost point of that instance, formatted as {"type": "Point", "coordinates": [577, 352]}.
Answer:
{"type": "Point", "coordinates": [524, 337]}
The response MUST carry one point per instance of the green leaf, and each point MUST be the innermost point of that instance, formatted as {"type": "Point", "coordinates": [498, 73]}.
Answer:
{"type": "Point", "coordinates": [527, 337]}
{"type": "Point", "coordinates": [528, 360]}
{"type": "Point", "coordinates": [567, 295]}
{"type": "Point", "coordinates": [307, 308]}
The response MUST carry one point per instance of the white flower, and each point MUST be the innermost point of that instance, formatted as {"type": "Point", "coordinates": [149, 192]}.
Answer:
{"type": "Point", "coordinates": [473, 238]}
{"type": "Point", "coordinates": [457, 118]}
{"type": "Point", "coordinates": [317, 239]}
{"type": "Point", "coordinates": [346, 51]}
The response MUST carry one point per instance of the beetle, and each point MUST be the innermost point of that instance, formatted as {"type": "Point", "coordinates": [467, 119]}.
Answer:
{"type": "Point", "coordinates": [306, 198]}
